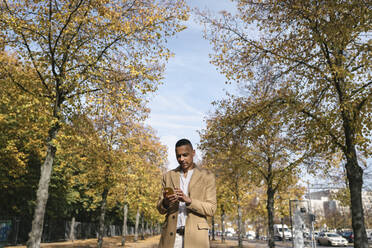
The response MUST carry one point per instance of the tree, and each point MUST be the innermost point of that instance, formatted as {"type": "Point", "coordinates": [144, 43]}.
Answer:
{"type": "Point", "coordinates": [22, 134]}
{"type": "Point", "coordinates": [225, 201]}
{"type": "Point", "coordinates": [269, 146]}
{"type": "Point", "coordinates": [106, 167]}
{"type": "Point", "coordinates": [320, 50]}
{"type": "Point", "coordinates": [139, 190]}
{"type": "Point", "coordinates": [232, 172]}
{"type": "Point", "coordinates": [143, 189]}
{"type": "Point", "coordinates": [256, 210]}
{"type": "Point", "coordinates": [74, 47]}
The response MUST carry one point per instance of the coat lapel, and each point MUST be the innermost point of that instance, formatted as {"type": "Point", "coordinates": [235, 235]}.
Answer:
{"type": "Point", "coordinates": [175, 176]}
{"type": "Point", "coordinates": [194, 179]}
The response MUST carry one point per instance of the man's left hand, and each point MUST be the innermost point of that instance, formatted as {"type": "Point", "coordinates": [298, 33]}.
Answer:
{"type": "Point", "coordinates": [181, 196]}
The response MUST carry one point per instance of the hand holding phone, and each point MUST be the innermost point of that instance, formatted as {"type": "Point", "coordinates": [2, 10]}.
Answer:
{"type": "Point", "coordinates": [181, 196]}
{"type": "Point", "coordinates": [169, 197]}
{"type": "Point", "coordinates": [168, 191]}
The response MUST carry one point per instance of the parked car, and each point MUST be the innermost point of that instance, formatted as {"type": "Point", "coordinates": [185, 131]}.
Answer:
{"type": "Point", "coordinates": [332, 239]}
{"type": "Point", "coordinates": [281, 232]}
{"type": "Point", "coordinates": [250, 236]}
{"type": "Point", "coordinates": [348, 235]}
{"type": "Point", "coordinates": [316, 235]}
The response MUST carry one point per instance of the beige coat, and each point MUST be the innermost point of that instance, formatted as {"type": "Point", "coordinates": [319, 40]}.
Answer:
{"type": "Point", "coordinates": [202, 191]}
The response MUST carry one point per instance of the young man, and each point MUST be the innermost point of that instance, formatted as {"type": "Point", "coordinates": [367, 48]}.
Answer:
{"type": "Point", "coordinates": [187, 204]}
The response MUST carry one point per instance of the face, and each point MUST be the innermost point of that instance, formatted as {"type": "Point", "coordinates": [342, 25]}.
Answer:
{"type": "Point", "coordinates": [185, 155]}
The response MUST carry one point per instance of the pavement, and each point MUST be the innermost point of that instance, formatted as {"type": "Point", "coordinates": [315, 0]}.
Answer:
{"type": "Point", "coordinates": [149, 242]}
{"type": "Point", "coordinates": [108, 242]}
{"type": "Point", "coordinates": [152, 242]}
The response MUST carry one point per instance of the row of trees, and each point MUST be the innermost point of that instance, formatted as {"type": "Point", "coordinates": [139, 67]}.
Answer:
{"type": "Point", "coordinates": [74, 79]}
{"type": "Point", "coordinates": [255, 153]}
{"type": "Point", "coordinates": [102, 161]}
{"type": "Point", "coordinates": [306, 96]}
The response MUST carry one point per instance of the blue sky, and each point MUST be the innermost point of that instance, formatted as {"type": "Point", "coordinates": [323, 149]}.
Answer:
{"type": "Point", "coordinates": [191, 83]}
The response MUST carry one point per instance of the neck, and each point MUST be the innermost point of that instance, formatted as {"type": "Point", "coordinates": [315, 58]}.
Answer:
{"type": "Point", "coordinates": [187, 169]}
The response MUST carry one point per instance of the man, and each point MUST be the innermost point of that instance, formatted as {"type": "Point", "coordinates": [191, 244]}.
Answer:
{"type": "Point", "coordinates": [187, 207]}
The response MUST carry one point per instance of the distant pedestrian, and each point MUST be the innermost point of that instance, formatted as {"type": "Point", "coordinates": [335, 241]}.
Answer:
{"type": "Point", "coordinates": [188, 196]}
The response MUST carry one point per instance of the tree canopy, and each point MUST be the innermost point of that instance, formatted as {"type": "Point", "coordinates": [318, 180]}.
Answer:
{"type": "Point", "coordinates": [319, 52]}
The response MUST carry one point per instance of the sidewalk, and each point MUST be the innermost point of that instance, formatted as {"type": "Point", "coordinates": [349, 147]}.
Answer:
{"type": "Point", "coordinates": [149, 242]}
{"type": "Point", "coordinates": [111, 242]}
{"type": "Point", "coordinates": [229, 244]}
{"type": "Point", "coordinates": [246, 244]}
{"type": "Point", "coordinates": [108, 242]}
{"type": "Point", "coordinates": [152, 242]}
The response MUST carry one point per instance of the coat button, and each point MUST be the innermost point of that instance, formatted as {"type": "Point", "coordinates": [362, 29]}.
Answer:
{"type": "Point", "coordinates": [173, 217]}
{"type": "Point", "coordinates": [171, 234]}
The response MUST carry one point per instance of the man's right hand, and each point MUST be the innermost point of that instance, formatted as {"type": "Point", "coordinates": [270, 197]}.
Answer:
{"type": "Point", "coordinates": [169, 199]}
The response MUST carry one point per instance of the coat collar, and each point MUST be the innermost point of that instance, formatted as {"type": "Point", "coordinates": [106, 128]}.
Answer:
{"type": "Point", "coordinates": [194, 178]}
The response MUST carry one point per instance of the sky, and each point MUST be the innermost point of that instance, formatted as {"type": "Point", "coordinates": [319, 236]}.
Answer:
{"type": "Point", "coordinates": [191, 84]}
{"type": "Point", "coordinates": [180, 106]}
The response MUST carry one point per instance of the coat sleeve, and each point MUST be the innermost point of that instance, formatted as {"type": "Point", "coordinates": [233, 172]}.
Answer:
{"type": "Point", "coordinates": [159, 205]}
{"type": "Point", "coordinates": [207, 207]}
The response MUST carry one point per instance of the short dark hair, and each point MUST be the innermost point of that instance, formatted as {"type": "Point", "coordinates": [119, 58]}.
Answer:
{"type": "Point", "coordinates": [183, 142]}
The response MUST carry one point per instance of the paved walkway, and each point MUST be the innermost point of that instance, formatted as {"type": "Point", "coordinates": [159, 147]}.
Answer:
{"type": "Point", "coordinates": [111, 242]}
{"type": "Point", "coordinates": [108, 242]}
{"type": "Point", "coordinates": [152, 242]}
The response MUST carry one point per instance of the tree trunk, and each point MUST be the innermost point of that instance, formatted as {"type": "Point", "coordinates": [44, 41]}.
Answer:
{"type": "Point", "coordinates": [136, 226]}
{"type": "Point", "coordinates": [42, 193]}
{"type": "Point", "coordinates": [125, 218]}
{"type": "Point", "coordinates": [240, 229]}
{"type": "Point", "coordinates": [270, 214]}
{"type": "Point", "coordinates": [222, 224]}
{"type": "Point", "coordinates": [101, 230]}
{"type": "Point", "coordinates": [142, 227]}
{"type": "Point", "coordinates": [282, 222]}
{"type": "Point", "coordinates": [257, 229]}
{"type": "Point", "coordinates": [72, 230]}
{"type": "Point", "coordinates": [213, 231]}
{"type": "Point", "coordinates": [355, 177]}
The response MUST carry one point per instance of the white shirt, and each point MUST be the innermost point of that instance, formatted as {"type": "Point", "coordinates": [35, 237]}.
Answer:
{"type": "Point", "coordinates": [184, 186]}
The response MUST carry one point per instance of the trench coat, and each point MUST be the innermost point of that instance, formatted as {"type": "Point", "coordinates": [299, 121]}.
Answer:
{"type": "Point", "coordinates": [202, 191]}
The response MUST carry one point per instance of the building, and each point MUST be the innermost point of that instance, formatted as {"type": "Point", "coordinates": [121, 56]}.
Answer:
{"type": "Point", "coordinates": [322, 203]}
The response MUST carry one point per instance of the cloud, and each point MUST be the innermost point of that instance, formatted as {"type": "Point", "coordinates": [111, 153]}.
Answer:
{"type": "Point", "coordinates": [165, 124]}
{"type": "Point", "coordinates": [184, 118]}
{"type": "Point", "coordinates": [191, 83]}
{"type": "Point", "coordinates": [170, 141]}
{"type": "Point", "coordinates": [174, 102]}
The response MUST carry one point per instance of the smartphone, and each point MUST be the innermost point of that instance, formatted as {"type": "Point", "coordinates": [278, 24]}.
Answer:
{"type": "Point", "coordinates": [168, 191]}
